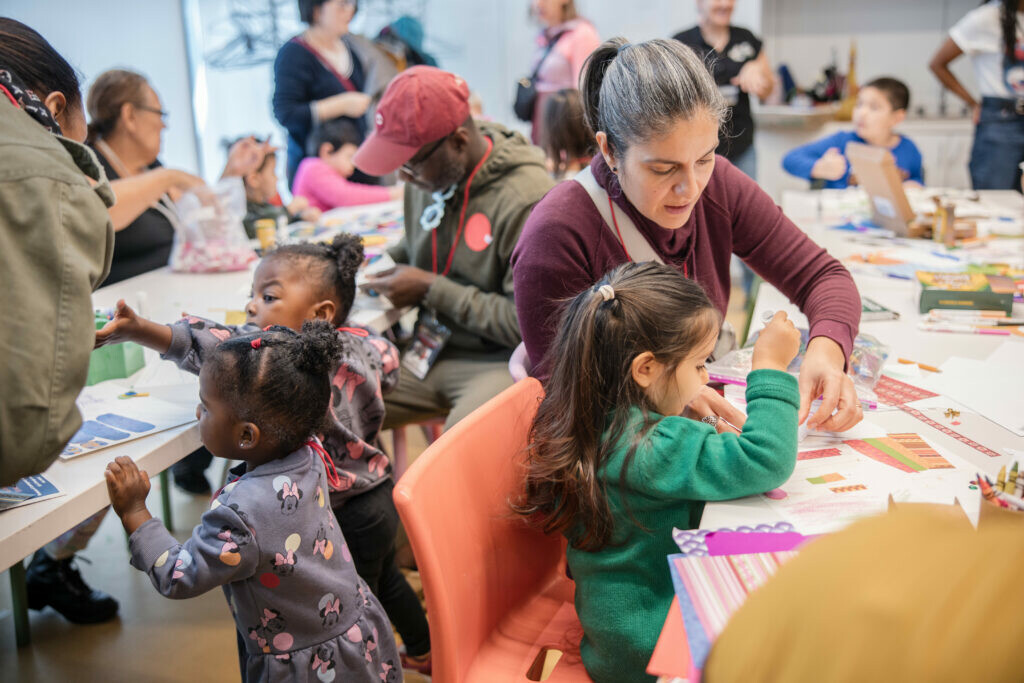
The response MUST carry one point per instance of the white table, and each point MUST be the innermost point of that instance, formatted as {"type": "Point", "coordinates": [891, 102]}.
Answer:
{"type": "Point", "coordinates": [163, 296]}
{"type": "Point", "coordinates": [902, 336]}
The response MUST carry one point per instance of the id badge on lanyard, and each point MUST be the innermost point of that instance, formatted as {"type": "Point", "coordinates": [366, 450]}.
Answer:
{"type": "Point", "coordinates": [428, 339]}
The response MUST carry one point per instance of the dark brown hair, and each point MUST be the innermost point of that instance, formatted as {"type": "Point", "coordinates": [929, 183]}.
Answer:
{"type": "Point", "coordinates": [306, 8]}
{"type": "Point", "coordinates": [894, 90]}
{"type": "Point", "coordinates": [332, 267]}
{"type": "Point", "coordinates": [108, 93]}
{"type": "Point", "coordinates": [282, 383]}
{"type": "Point", "coordinates": [30, 57]}
{"type": "Point", "coordinates": [566, 137]}
{"type": "Point", "coordinates": [587, 412]}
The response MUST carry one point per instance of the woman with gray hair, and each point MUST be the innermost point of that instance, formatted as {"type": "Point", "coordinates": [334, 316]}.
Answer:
{"type": "Point", "coordinates": [658, 191]}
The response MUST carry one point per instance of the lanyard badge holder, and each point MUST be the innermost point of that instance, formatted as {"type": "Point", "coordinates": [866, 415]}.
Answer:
{"type": "Point", "coordinates": [430, 336]}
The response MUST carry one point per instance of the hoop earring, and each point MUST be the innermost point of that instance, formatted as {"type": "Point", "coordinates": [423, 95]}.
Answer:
{"type": "Point", "coordinates": [615, 169]}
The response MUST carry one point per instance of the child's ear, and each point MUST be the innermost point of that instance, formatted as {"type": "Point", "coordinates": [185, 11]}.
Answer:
{"type": "Point", "coordinates": [325, 150]}
{"type": "Point", "coordinates": [899, 116]}
{"type": "Point", "coordinates": [645, 369]}
{"type": "Point", "coordinates": [248, 435]}
{"type": "Point", "coordinates": [325, 310]}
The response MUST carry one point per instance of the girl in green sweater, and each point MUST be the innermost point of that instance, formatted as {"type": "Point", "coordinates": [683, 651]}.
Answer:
{"type": "Point", "coordinates": [614, 464]}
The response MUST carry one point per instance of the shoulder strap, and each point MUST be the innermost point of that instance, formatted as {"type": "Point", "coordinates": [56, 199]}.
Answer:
{"type": "Point", "coordinates": [547, 51]}
{"type": "Point", "coordinates": [348, 85]}
{"type": "Point", "coordinates": [636, 245]}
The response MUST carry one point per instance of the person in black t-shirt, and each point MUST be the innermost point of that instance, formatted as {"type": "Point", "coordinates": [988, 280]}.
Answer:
{"type": "Point", "coordinates": [740, 68]}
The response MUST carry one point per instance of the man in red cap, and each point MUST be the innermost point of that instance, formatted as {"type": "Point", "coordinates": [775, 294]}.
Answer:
{"type": "Point", "coordinates": [470, 187]}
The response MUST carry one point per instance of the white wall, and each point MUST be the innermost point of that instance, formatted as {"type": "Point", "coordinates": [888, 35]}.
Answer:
{"type": "Point", "coordinates": [894, 38]}
{"type": "Point", "coordinates": [142, 35]}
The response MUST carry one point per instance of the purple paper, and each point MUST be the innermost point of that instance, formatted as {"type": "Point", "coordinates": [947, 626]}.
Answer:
{"type": "Point", "coordinates": [739, 543]}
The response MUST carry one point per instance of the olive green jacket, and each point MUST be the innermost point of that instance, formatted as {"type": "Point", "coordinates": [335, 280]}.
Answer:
{"type": "Point", "coordinates": [56, 241]}
{"type": "Point", "coordinates": [474, 299]}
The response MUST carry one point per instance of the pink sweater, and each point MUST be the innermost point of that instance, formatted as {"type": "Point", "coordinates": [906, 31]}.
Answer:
{"type": "Point", "coordinates": [565, 247]}
{"type": "Point", "coordinates": [563, 65]}
{"type": "Point", "coordinates": [326, 189]}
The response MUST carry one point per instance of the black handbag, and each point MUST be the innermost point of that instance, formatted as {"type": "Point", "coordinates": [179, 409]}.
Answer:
{"type": "Point", "coordinates": [526, 89]}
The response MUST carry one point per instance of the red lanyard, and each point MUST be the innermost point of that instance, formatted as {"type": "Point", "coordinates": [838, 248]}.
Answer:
{"type": "Point", "coordinates": [623, 243]}
{"type": "Point", "coordinates": [462, 216]}
{"type": "Point", "coordinates": [348, 85]}
{"type": "Point", "coordinates": [332, 474]}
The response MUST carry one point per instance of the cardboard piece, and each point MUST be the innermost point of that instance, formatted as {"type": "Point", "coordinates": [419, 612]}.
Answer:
{"type": "Point", "coordinates": [877, 173]}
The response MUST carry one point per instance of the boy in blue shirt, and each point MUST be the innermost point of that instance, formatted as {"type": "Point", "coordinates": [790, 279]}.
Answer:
{"type": "Point", "coordinates": [881, 106]}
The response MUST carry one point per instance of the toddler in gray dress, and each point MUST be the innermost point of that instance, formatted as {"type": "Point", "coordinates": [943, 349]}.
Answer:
{"type": "Point", "coordinates": [270, 537]}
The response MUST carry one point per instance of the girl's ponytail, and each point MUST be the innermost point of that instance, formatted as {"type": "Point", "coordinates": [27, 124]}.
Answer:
{"type": "Point", "coordinates": [590, 408]}
{"type": "Point", "coordinates": [592, 76]}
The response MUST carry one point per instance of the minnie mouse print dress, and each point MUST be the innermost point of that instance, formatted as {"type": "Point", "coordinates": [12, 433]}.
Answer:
{"type": "Point", "coordinates": [271, 540]}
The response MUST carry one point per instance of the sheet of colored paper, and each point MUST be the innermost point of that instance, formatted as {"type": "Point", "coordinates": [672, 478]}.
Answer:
{"type": "Point", "coordinates": [108, 420]}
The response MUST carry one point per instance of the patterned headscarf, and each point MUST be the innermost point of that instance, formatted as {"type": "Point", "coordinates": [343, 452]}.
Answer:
{"type": "Point", "coordinates": [26, 100]}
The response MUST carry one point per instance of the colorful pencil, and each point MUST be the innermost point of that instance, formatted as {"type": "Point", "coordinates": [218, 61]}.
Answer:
{"type": "Point", "coordinates": [1011, 480]}
{"type": "Point", "coordinates": [1012, 502]}
{"type": "Point", "coordinates": [988, 492]}
{"type": "Point", "coordinates": [929, 368]}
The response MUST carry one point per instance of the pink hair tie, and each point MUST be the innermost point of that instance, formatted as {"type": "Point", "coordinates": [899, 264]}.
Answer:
{"type": "Point", "coordinates": [257, 342]}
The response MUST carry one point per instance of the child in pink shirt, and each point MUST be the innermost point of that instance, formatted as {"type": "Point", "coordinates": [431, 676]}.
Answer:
{"type": "Point", "coordinates": [323, 179]}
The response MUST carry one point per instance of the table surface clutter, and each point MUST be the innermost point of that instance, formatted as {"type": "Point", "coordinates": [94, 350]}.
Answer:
{"type": "Point", "coordinates": [160, 389]}
{"type": "Point", "coordinates": [949, 406]}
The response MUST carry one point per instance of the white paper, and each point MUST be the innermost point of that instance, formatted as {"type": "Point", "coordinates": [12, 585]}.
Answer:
{"type": "Point", "coordinates": [993, 390]}
{"type": "Point", "coordinates": [109, 421]}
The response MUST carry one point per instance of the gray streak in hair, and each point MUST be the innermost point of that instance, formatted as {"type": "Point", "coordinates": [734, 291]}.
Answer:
{"type": "Point", "coordinates": [637, 94]}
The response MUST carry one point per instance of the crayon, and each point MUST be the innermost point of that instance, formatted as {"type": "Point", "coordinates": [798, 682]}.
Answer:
{"type": "Point", "coordinates": [988, 492]}
{"type": "Point", "coordinates": [1011, 480]}
{"type": "Point", "coordinates": [1019, 492]}
{"type": "Point", "coordinates": [1001, 479]}
{"type": "Point", "coordinates": [1012, 502]}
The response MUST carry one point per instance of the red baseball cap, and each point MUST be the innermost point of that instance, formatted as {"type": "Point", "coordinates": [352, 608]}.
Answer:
{"type": "Point", "coordinates": [421, 105]}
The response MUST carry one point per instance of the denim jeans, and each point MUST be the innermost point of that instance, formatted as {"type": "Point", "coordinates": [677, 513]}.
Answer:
{"type": "Point", "coordinates": [998, 146]}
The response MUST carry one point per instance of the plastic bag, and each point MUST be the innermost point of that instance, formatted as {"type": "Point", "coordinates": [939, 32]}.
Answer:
{"type": "Point", "coordinates": [866, 361]}
{"type": "Point", "coordinates": [208, 233]}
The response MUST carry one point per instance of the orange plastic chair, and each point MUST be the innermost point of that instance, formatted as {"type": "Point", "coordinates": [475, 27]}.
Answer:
{"type": "Point", "coordinates": [497, 591]}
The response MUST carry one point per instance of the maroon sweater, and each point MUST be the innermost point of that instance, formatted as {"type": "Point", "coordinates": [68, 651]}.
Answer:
{"type": "Point", "coordinates": [565, 247]}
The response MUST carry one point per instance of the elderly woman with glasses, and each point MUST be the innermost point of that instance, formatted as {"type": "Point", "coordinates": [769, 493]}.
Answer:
{"type": "Point", "coordinates": [126, 122]}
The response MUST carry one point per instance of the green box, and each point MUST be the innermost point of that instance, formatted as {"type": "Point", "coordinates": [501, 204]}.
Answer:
{"type": "Point", "coordinates": [971, 291]}
{"type": "Point", "coordinates": [116, 361]}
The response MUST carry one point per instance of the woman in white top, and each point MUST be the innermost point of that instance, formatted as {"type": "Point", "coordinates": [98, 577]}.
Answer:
{"type": "Point", "coordinates": [558, 69]}
{"type": "Point", "coordinates": [991, 36]}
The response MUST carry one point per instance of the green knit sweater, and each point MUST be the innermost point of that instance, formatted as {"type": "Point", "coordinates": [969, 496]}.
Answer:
{"type": "Point", "coordinates": [623, 591]}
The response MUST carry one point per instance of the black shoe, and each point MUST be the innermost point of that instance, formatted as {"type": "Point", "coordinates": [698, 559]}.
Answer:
{"type": "Point", "coordinates": [58, 584]}
{"type": "Point", "coordinates": [193, 482]}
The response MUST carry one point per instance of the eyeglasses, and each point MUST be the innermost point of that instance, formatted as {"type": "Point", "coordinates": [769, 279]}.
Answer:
{"type": "Point", "coordinates": [414, 163]}
{"type": "Point", "coordinates": [163, 114]}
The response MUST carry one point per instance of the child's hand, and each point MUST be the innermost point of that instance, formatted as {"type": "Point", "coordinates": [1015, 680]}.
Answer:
{"type": "Point", "coordinates": [128, 487]}
{"type": "Point", "coordinates": [831, 165]}
{"type": "Point", "coordinates": [311, 214]}
{"type": "Point", "coordinates": [776, 345]}
{"type": "Point", "coordinates": [124, 327]}
{"type": "Point", "coordinates": [129, 326]}
{"type": "Point", "coordinates": [297, 205]}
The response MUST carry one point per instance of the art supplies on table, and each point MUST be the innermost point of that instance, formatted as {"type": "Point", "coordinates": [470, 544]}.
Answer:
{"type": "Point", "coordinates": [108, 420]}
{"type": "Point", "coordinates": [866, 362]}
{"type": "Point", "coordinates": [28, 490]}
{"type": "Point", "coordinates": [994, 391]}
{"type": "Point", "coordinates": [832, 487]}
{"type": "Point", "coordinates": [710, 590]}
{"type": "Point", "coordinates": [695, 542]}
{"type": "Point", "coordinates": [975, 291]}
{"type": "Point", "coordinates": [872, 310]}
{"type": "Point", "coordinates": [670, 660]}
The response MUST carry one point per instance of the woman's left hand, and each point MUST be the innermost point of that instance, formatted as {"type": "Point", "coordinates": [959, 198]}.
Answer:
{"type": "Point", "coordinates": [754, 79]}
{"type": "Point", "coordinates": [821, 374]}
{"type": "Point", "coordinates": [710, 403]}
